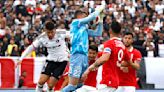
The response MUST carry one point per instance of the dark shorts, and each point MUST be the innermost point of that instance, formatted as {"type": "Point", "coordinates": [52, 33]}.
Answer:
{"type": "Point", "coordinates": [54, 69]}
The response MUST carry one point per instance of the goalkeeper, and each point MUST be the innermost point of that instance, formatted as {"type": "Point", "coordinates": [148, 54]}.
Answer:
{"type": "Point", "coordinates": [79, 33]}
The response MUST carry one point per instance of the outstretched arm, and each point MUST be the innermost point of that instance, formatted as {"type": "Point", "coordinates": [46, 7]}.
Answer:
{"type": "Point", "coordinates": [26, 52]}
{"type": "Point", "coordinates": [30, 48]}
{"type": "Point", "coordinates": [97, 32]}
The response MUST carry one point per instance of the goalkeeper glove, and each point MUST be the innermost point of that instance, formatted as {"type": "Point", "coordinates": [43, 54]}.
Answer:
{"type": "Point", "coordinates": [100, 8]}
{"type": "Point", "coordinates": [102, 15]}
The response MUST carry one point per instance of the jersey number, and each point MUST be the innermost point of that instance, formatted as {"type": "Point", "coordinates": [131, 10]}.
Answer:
{"type": "Point", "coordinates": [120, 56]}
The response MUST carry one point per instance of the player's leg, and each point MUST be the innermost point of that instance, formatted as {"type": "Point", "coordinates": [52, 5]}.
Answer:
{"type": "Point", "coordinates": [72, 85]}
{"type": "Point", "coordinates": [45, 74]}
{"type": "Point", "coordinates": [51, 82]}
{"type": "Point", "coordinates": [75, 72]}
{"type": "Point", "coordinates": [73, 81]}
{"type": "Point", "coordinates": [58, 70]}
{"type": "Point", "coordinates": [84, 68]}
{"type": "Point", "coordinates": [43, 78]}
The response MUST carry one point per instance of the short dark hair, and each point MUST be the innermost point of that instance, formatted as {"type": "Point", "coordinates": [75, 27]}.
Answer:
{"type": "Point", "coordinates": [78, 12]}
{"type": "Point", "coordinates": [116, 27]}
{"type": "Point", "coordinates": [128, 33]}
{"type": "Point", "coordinates": [93, 47]}
{"type": "Point", "coordinates": [50, 25]}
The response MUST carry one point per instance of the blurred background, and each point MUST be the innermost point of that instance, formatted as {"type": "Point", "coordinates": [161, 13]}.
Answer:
{"type": "Point", "coordinates": [21, 21]}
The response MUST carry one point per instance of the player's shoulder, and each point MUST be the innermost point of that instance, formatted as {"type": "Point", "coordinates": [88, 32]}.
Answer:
{"type": "Point", "coordinates": [136, 51]}
{"type": "Point", "coordinates": [109, 41]}
{"type": "Point", "coordinates": [41, 36]}
{"type": "Point", "coordinates": [75, 22]}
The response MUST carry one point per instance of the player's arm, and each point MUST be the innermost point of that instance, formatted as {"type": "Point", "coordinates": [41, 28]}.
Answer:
{"type": "Point", "coordinates": [136, 63]}
{"type": "Point", "coordinates": [30, 48]}
{"type": "Point", "coordinates": [92, 16]}
{"type": "Point", "coordinates": [100, 61]}
{"type": "Point", "coordinates": [124, 64]}
{"type": "Point", "coordinates": [99, 28]}
{"type": "Point", "coordinates": [97, 32]}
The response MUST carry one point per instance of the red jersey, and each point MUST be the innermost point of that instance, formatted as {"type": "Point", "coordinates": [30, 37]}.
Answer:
{"type": "Point", "coordinates": [92, 75]}
{"type": "Point", "coordinates": [129, 79]}
{"type": "Point", "coordinates": [117, 52]}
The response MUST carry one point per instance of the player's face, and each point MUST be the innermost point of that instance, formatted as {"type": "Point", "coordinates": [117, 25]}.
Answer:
{"type": "Point", "coordinates": [83, 15]}
{"type": "Point", "coordinates": [50, 34]}
{"type": "Point", "coordinates": [92, 54]}
{"type": "Point", "coordinates": [128, 40]}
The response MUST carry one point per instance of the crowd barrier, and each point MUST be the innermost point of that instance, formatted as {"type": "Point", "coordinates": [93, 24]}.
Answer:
{"type": "Point", "coordinates": [9, 74]}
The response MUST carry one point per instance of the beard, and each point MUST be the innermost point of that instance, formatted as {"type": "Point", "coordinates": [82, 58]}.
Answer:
{"type": "Point", "coordinates": [127, 45]}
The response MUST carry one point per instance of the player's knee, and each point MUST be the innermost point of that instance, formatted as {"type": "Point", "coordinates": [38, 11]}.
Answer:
{"type": "Point", "coordinates": [50, 86]}
{"type": "Point", "coordinates": [41, 82]}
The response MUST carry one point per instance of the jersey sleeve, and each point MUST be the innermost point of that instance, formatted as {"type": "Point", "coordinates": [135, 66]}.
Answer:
{"type": "Point", "coordinates": [107, 47]}
{"type": "Point", "coordinates": [137, 56]}
{"type": "Point", "coordinates": [89, 18]}
{"type": "Point", "coordinates": [63, 33]}
{"type": "Point", "coordinates": [37, 43]}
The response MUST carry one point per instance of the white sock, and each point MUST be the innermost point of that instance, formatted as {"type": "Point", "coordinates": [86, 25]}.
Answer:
{"type": "Point", "coordinates": [39, 88]}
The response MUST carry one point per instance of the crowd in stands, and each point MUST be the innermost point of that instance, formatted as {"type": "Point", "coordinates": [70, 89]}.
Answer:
{"type": "Point", "coordinates": [21, 21]}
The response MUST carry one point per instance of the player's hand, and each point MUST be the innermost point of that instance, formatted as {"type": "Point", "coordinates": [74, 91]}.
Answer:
{"type": "Point", "coordinates": [100, 8]}
{"type": "Point", "coordinates": [85, 74]}
{"type": "Point", "coordinates": [132, 63]}
{"type": "Point", "coordinates": [124, 69]}
{"type": "Point", "coordinates": [102, 15]}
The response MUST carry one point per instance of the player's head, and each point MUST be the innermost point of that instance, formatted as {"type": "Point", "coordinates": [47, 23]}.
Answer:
{"type": "Point", "coordinates": [50, 29]}
{"type": "Point", "coordinates": [115, 28]}
{"type": "Point", "coordinates": [92, 53]}
{"type": "Point", "coordinates": [80, 14]}
{"type": "Point", "coordinates": [128, 39]}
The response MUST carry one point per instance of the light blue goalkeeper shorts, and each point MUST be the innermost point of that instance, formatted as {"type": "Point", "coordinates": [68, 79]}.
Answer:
{"type": "Point", "coordinates": [78, 65]}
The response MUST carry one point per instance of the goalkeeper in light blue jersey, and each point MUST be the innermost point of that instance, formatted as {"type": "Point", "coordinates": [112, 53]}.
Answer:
{"type": "Point", "coordinates": [79, 33]}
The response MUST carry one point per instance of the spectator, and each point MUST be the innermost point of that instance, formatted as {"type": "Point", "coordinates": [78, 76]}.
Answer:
{"type": "Point", "coordinates": [11, 47]}
{"type": "Point", "coordinates": [21, 9]}
{"type": "Point", "coordinates": [44, 5]}
{"type": "Point", "coordinates": [31, 35]}
{"type": "Point", "coordinates": [150, 46]}
{"type": "Point", "coordinates": [21, 79]}
{"type": "Point", "coordinates": [2, 51]}
{"type": "Point", "coordinates": [26, 43]}
{"type": "Point", "coordinates": [160, 44]}
{"type": "Point", "coordinates": [15, 51]}
{"type": "Point", "coordinates": [139, 16]}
